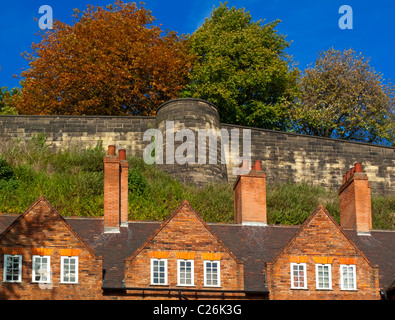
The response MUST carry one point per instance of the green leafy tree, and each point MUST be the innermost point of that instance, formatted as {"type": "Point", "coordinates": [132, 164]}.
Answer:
{"type": "Point", "coordinates": [7, 100]}
{"type": "Point", "coordinates": [241, 67]}
{"type": "Point", "coordinates": [343, 97]}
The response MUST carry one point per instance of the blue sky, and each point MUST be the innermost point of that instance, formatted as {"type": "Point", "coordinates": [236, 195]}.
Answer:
{"type": "Point", "coordinates": [312, 26]}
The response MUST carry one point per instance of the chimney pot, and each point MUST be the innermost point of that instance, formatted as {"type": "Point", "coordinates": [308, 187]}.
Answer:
{"type": "Point", "coordinates": [257, 165]}
{"type": "Point", "coordinates": [111, 151]}
{"type": "Point", "coordinates": [358, 167]}
{"type": "Point", "coordinates": [122, 154]}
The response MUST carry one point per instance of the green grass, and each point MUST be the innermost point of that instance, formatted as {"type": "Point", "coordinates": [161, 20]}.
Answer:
{"type": "Point", "coordinates": [154, 195]}
{"type": "Point", "coordinates": [72, 181]}
{"type": "Point", "coordinates": [292, 203]}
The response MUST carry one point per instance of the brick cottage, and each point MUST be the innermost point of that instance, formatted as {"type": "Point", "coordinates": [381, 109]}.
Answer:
{"type": "Point", "coordinates": [46, 256]}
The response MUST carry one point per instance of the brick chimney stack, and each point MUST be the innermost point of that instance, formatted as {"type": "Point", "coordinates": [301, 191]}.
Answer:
{"type": "Point", "coordinates": [355, 201]}
{"type": "Point", "coordinates": [250, 196]}
{"type": "Point", "coordinates": [115, 190]}
{"type": "Point", "coordinates": [124, 172]}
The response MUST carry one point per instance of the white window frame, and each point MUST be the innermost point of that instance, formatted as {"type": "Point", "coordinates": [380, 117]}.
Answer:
{"type": "Point", "coordinates": [179, 278]}
{"type": "Point", "coordinates": [62, 270]}
{"type": "Point", "coordinates": [317, 267]}
{"type": "Point", "coordinates": [153, 260]}
{"type": "Point", "coordinates": [6, 256]}
{"type": "Point", "coordinates": [293, 264]}
{"type": "Point", "coordinates": [354, 275]}
{"type": "Point", "coordinates": [46, 272]}
{"type": "Point", "coordinates": [218, 273]}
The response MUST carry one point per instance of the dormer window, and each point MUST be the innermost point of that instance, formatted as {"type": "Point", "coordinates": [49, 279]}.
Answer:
{"type": "Point", "coordinates": [158, 271]}
{"type": "Point", "coordinates": [185, 272]}
{"type": "Point", "coordinates": [323, 276]}
{"type": "Point", "coordinates": [69, 270]}
{"type": "Point", "coordinates": [298, 276]}
{"type": "Point", "coordinates": [41, 269]}
{"type": "Point", "coordinates": [212, 275]}
{"type": "Point", "coordinates": [12, 268]}
{"type": "Point", "coordinates": [348, 277]}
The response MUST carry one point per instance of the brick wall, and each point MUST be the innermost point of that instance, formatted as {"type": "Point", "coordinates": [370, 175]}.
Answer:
{"type": "Point", "coordinates": [184, 233]}
{"type": "Point", "coordinates": [41, 227]}
{"type": "Point", "coordinates": [321, 238]}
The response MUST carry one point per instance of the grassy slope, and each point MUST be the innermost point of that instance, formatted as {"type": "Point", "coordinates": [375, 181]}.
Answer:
{"type": "Point", "coordinates": [73, 182]}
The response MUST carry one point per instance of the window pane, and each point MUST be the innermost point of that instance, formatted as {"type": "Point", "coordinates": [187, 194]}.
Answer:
{"type": "Point", "coordinates": [298, 275]}
{"type": "Point", "coordinates": [348, 278]}
{"type": "Point", "coordinates": [212, 273]}
{"type": "Point", "coordinates": [12, 270]}
{"type": "Point", "coordinates": [70, 269]}
{"type": "Point", "coordinates": [323, 276]}
{"type": "Point", "coordinates": [185, 270]}
{"type": "Point", "coordinates": [158, 271]}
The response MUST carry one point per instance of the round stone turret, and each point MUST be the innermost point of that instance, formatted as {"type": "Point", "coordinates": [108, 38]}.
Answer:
{"type": "Point", "coordinates": [191, 133]}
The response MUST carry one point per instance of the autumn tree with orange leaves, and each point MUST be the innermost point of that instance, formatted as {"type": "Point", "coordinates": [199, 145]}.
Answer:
{"type": "Point", "coordinates": [111, 61]}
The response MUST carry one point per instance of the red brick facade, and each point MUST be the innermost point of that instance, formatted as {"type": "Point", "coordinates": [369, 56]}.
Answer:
{"type": "Point", "coordinates": [246, 260]}
{"type": "Point", "coordinates": [40, 230]}
{"type": "Point", "coordinates": [321, 241]}
{"type": "Point", "coordinates": [185, 236]}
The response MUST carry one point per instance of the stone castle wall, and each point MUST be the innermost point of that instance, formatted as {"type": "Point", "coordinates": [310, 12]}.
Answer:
{"type": "Point", "coordinates": [321, 161]}
{"type": "Point", "coordinates": [284, 156]}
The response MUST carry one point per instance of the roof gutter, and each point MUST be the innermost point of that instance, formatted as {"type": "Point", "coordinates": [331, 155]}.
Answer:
{"type": "Point", "coordinates": [179, 290]}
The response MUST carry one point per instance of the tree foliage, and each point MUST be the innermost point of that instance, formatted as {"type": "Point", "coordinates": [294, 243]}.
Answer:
{"type": "Point", "coordinates": [111, 61]}
{"type": "Point", "coordinates": [242, 68]}
{"type": "Point", "coordinates": [7, 101]}
{"type": "Point", "coordinates": [344, 97]}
